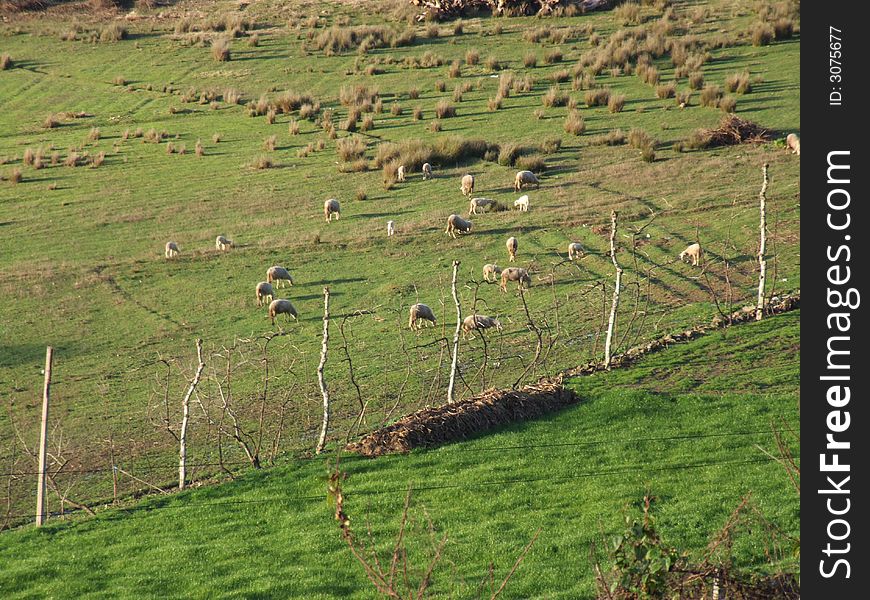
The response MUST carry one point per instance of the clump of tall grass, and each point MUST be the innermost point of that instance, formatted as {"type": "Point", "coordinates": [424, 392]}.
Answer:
{"type": "Point", "coordinates": [444, 110]}
{"type": "Point", "coordinates": [220, 49]}
{"type": "Point", "coordinates": [739, 83]}
{"type": "Point", "coordinates": [554, 97]}
{"type": "Point", "coordinates": [597, 97]}
{"type": "Point", "coordinates": [350, 148]}
{"type": "Point", "coordinates": [574, 123]}
{"type": "Point", "coordinates": [616, 103]}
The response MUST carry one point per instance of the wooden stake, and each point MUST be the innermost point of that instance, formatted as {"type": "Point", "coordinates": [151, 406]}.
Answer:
{"type": "Point", "coordinates": [762, 246]}
{"type": "Point", "coordinates": [185, 411]}
{"type": "Point", "coordinates": [455, 362]}
{"type": "Point", "coordinates": [43, 440]}
{"type": "Point", "coordinates": [611, 323]}
{"type": "Point", "coordinates": [324, 348]}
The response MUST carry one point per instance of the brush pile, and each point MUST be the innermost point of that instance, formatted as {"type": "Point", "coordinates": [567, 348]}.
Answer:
{"type": "Point", "coordinates": [734, 130]}
{"type": "Point", "coordinates": [453, 422]}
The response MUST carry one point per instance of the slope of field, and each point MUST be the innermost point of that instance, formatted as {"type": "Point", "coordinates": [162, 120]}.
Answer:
{"type": "Point", "coordinates": [685, 424]}
{"type": "Point", "coordinates": [81, 264]}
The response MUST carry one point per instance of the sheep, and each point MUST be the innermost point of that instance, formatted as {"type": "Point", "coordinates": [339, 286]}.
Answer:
{"type": "Point", "coordinates": [391, 228]}
{"type": "Point", "coordinates": [522, 203]}
{"type": "Point", "coordinates": [282, 307]}
{"type": "Point", "coordinates": [420, 312]}
{"type": "Point", "coordinates": [222, 243]}
{"type": "Point", "coordinates": [693, 252]}
{"type": "Point", "coordinates": [525, 177]}
{"type": "Point", "coordinates": [331, 207]}
{"type": "Point", "coordinates": [171, 249]}
{"type": "Point", "coordinates": [480, 205]}
{"type": "Point", "coordinates": [574, 250]}
{"type": "Point", "coordinates": [478, 322]}
{"type": "Point", "coordinates": [512, 248]}
{"type": "Point", "coordinates": [793, 143]}
{"type": "Point", "coordinates": [491, 272]}
{"type": "Point", "coordinates": [467, 187]}
{"type": "Point", "coordinates": [456, 223]}
{"type": "Point", "coordinates": [400, 174]}
{"type": "Point", "coordinates": [427, 171]}
{"type": "Point", "coordinates": [279, 276]}
{"type": "Point", "coordinates": [521, 276]}
{"type": "Point", "coordinates": [264, 290]}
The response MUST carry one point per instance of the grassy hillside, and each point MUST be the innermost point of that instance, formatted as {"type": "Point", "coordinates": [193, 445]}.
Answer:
{"type": "Point", "coordinates": [81, 264]}
{"type": "Point", "coordinates": [682, 424]}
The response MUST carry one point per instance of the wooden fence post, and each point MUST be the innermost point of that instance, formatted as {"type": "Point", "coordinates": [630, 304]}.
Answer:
{"type": "Point", "coordinates": [43, 440]}
{"type": "Point", "coordinates": [455, 361]}
{"type": "Point", "coordinates": [762, 246]}
{"type": "Point", "coordinates": [611, 324]}
{"type": "Point", "coordinates": [185, 411]}
{"type": "Point", "coordinates": [324, 348]}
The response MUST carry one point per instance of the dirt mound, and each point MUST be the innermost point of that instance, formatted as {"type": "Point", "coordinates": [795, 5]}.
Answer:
{"type": "Point", "coordinates": [453, 422]}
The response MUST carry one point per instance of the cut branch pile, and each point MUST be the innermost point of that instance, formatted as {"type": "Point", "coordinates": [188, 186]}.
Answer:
{"type": "Point", "coordinates": [733, 130]}
{"type": "Point", "coordinates": [452, 422]}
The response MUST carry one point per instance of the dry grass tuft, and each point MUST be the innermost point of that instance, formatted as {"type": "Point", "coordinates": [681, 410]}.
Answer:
{"type": "Point", "coordinates": [574, 123]}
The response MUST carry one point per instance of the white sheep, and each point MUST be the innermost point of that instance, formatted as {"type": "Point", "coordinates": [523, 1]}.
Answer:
{"type": "Point", "coordinates": [478, 322]}
{"type": "Point", "coordinates": [279, 276]}
{"type": "Point", "coordinates": [793, 143]}
{"type": "Point", "coordinates": [427, 171]}
{"type": "Point", "coordinates": [331, 207]}
{"type": "Point", "coordinates": [521, 276]}
{"type": "Point", "coordinates": [391, 228]}
{"type": "Point", "coordinates": [522, 203]}
{"type": "Point", "coordinates": [282, 307]}
{"type": "Point", "coordinates": [525, 177]}
{"type": "Point", "coordinates": [400, 174]}
{"type": "Point", "coordinates": [512, 244]}
{"type": "Point", "coordinates": [693, 252]}
{"type": "Point", "coordinates": [491, 272]}
{"type": "Point", "coordinates": [480, 205]}
{"type": "Point", "coordinates": [264, 290]}
{"type": "Point", "coordinates": [420, 312]}
{"type": "Point", "coordinates": [574, 250]}
{"type": "Point", "coordinates": [222, 243]}
{"type": "Point", "coordinates": [455, 223]}
{"type": "Point", "coordinates": [467, 187]}
{"type": "Point", "coordinates": [171, 249]}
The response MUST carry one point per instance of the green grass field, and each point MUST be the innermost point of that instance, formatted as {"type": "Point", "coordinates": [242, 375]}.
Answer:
{"type": "Point", "coordinates": [82, 268]}
{"type": "Point", "coordinates": [683, 424]}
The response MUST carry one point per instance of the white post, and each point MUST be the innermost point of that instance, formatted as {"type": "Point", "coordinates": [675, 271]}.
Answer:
{"type": "Point", "coordinates": [43, 440]}
{"type": "Point", "coordinates": [321, 442]}
{"type": "Point", "coordinates": [611, 324]}
{"type": "Point", "coordinates": [762, 246]}
{"type": "Point", "coordinates": [185, 411]}
{"type": "Point", "coordinates": [455, 362]}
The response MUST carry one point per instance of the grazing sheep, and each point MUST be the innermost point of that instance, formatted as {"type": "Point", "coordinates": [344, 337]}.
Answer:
{"type": "Point", "coordinates": [693, 252]}
{"type": "Point", "coordinates": [171, 249]}
{"type": "Point", "coordinates": [279, 276]}
{"type": "Point", "coordinates": [491, 272]}
{"type": "Point", "coordinates": [793, 142]}
{"type": "Point", "coordinates": [574, 250]}
{"type": "Point", "coordinates": [512, 248]}
{"type": "Point", "coordinates": [281, 307]}
{"type": "Point", "coordinates": [467, 187]}
{"type": "Point", "coordinates": [476, 322]}
{"type": "Point", "coordinates": [331, 207]}
{"type": "Point", "coordinates": [400, 174]}
{"type": "Point", "coordinates": [427, 171]}
{"type": "Point", "coordinates": [480, 205]}
{"type": "Point", "coordinates": [420, 312]}
{"type": "Point", "coordinates": [525, 177]}
{"type": "Point", "coordinates": [222, 243]}
{"type": "Point", "coordinates": [522, 203]}
{"type": "Point", "coordinates": [391, 228]}
{"type": "Point", "coordinates": [456, 223]}
{"type": "Point", "coordinates": [521, 276]}
{"type": "Point", "coordinates": [264, 290]}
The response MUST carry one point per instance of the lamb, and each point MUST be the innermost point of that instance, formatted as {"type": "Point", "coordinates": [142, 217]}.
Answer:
{"type": "Point", "coordinates": [793, 143]}
{"type": "Point", "coordinates": [279, 276]}
{"type": "Point", "coordinates": [491, 272]}
{"type": "Point", "coordinates": [467, 187]}
{"type": "Point", "coordinates": [574, 250]}
{"type": "Point", "coordinates": [282, 307]}
{"type": "Point", "coordinates": [693, 252]}
{"type": "Point", "coordinates": [420, 312]}
{"type": "Point", "coordinates": [264, 290]}
{"type": "Point", "coordinates": [512, 247]}
{"type": "Point", "coordinates": [525, 177]}
{"type": "Point", "coordinates": [522, 203]}
{"type": "Point", "coordinates": [478, 322]}
{"type": "Point", "coordinates": [456, 223]}
{"type": "Point", "coordinates": [331, 207]}
{"type": "Point", "coordinates": [391, 228]}
{"type": "Point", "coordinates": [480, 205]}
{"type": "Point", "coordinates": [222, 243]}
{"type": "Point", "coordinates": [521, 276]}
{"type": "Point", "coordinates": [400, 174]}
{"type": "Point", "coordinates": [171, 249]}
{"type": "Point", "coordinates": [427, 171]}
